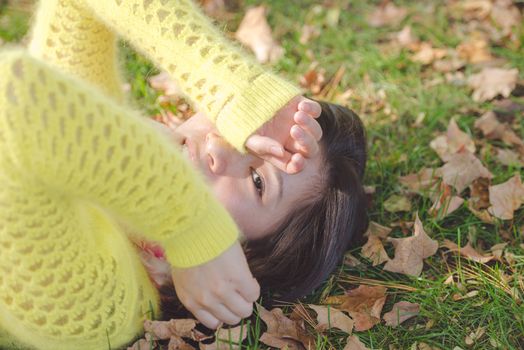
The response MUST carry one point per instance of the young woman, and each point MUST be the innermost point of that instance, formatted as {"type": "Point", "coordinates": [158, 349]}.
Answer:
{"type": "Point", "coordinates": [80, 170]}
{"type": "Point", "coordinates": [292, 241]}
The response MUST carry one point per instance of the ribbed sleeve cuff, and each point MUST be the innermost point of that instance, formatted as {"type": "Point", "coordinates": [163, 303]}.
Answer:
{"type": "Point", "coordinates": [250, 109]}
{"type": "Point", "coordinates": [209, 236]}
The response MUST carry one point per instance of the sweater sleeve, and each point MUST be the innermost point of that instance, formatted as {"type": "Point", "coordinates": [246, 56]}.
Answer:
{"type": "Point", "coordinates": [77, 145]}
{"type": "Point", "coordinates": [234, 91]}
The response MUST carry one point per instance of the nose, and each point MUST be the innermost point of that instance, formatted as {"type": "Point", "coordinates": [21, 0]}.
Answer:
{"type": "Point", "coordinates": [220, 153]}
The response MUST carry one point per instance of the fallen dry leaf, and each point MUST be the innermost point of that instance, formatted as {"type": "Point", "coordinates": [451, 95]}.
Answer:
{"type": "Point", "coordinates": [411, 251]}
{"type": "Point", "coordinates": [482, 214]}
{"type": "Point", "coordinates": [462, 169]}
{"type": "Point", "coordinates": [495, 130]}
{"type": "Point", "coordinates": [467, 251]}
{"type": "Point", "coordinates": [426, 54]}
{"type": "Point", "coordinates": [314, 79]}
{"type": "Point", "coordinates": [491, 82]}
{"type": "Point", "coordinates": [167, 329]}
{"type": "Point", "coordinates": [142, 344]}
{"type": "Point", "coordinates": [281, 331]}
{"type": "Point", "coordinates": [445, 203]}
{"type": "Point", "coordinates": [377, 230]}
{"type": "Point", "coordinates": [420, 182]}
{"type": "Point", "coordinates": [227, 339]}
{"type": "Point", "coordinates": [396, 203]}
{"type": "Point", "coordinates": [364, 305]}
{"type": "Point", "coordinates": [406, 38]}
{"type": "Point", "coordinates": [509, 158]}
{"type": "Point", "coordinates": [329, 317]}
{"type": "Point", "coordinates": [506, 15]}
{"type": "Point", "coordinates": [453, 142]}
{"type": "Point", "coordinates": [475, 51]}
{"type": "Point", "coordinates": [475, 335]}
{"type": "Point", "coordinates": [506, 197]}
{"type": "Point", "coordinates": [479, 193]}
{"type": "Point", "coordinates": [498, 249]}
{"type": "Point", "coordinates": [374, 251]}
{"type": "Point", "coordinates": [255, 33]}
{"type": "Point", "coordinates": [386, 14]}
{"type": "Point", "coordinates": [401, 312]}
{"type": "Point", "coordinates": [354, 343]}
{"type": "Point", "coordinates": [308, 32]}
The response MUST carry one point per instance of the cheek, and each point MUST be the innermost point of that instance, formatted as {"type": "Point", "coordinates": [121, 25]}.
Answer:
{"type": "Point", "coordinates": [250, 219]}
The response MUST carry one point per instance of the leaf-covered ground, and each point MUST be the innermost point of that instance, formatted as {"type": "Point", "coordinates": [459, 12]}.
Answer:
{"type": "Point", "coordinates": [440, 87]}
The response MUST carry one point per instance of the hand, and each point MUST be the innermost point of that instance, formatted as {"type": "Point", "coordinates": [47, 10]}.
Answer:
{"type": "Point", "coordinates": [221, 290]}
{"type": "Point", "coordinates": [289, 137]}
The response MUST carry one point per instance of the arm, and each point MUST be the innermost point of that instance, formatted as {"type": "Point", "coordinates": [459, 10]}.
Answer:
{"type": "Point", "coordinates": [80, 145]}
{"type": "Point", "coordinates": [234, 91]}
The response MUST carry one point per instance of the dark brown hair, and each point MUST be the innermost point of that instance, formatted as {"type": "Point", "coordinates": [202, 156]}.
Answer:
{"type": "Point", "coordinates": [311, 241]}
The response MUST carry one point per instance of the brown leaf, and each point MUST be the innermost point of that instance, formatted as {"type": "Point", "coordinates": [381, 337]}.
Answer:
{"type": "Point", "coordinates": [506, 15]}
{"type": "Point", "coordinates": [467, 251]}
{"type": "Point", "coordinates": [354, 343]}
{"type": "Point", "coordinates": [461, 169]}
{"type": "Point", "coordinates": [498, 249]}
{"type": "Point", "coordinates": [491, 82]}
{"type": "Point", "coordinates": [475, 51]}
{"type": "Point", "coordinates": [509, 158]}
{"type": "Point", "coordinates": [255, 33]}
{"type": "Point", "coordinates": [219, 9]}
{"type": "Point", "coordinates": [177, 343]}
{"type": "Point", "coordinates": [314, 79]}
{"type": "Point", "coordinates": [495, 130]}
{"type": "Point", "coordinates": [386, 14]}
{"type": "Point", "coordinates": [308, 32]}
{"type": "Point", "coordinates": [506, 197]}
{"type": "Point", "coordinates": [163, 83]}
{"type": "Point", "coordinates": [420, 182]}
{"type": "Point", "coordinates": [282, 331]}
{"type": "Point", "coordinates": [411, 251]}
{"type": "Point", "coordinates": [425, 53]}
{"type": "Point", "coordinates": [377, 230]}
{"type": "Point", "coordinates": [405, 37]}
{"type": "Point", "coordinates": [475, 335]}
{"type": "Point", "coordinates": [453, 142]}
{"type": "Point", "coordinates": [142, 344]}
{"type": "Point", "coordinates": [401, 312]}
{"type": "Point", "coordinates": [329, 317]}
{"type": "Point", "coordinates": [167, 329]}
{"type": "Point", "coordinates": [374, 251]}
{"type": "Point", "coordinates": [396, 203]}
{"type": "Point", "coordinates": [479, 193]}
{"type": "Point", "coordinates": [482, 214]}
{"type": "Point", "coordinates": [364, 305]}
{"type": "Point", "coordinates": [227, 338]}
{"type": "Point", "coordinates": [445, 203]}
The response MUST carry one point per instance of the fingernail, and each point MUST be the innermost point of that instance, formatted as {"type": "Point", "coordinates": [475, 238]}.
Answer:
{"type": "Point", "coordinates": [277, 151]}
{"type": "Point", "coordinates": [306, 107]}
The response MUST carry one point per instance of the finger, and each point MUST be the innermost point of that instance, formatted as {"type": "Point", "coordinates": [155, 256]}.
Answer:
{"type": "Point", "coordinates": [238, 305]}
{"type": "Point", "coordinates": [310, 107]}
{"type": "Point", "coordinates": [249, 289]}
{"type": "Point", "coordinates": [309, 124]}
{"type": "Point", "coordinates": [305, 143]}
{"type": "Point", "coordinates": [264, 146]}
{"type": "Point", "coordinates": [296, 164]}
{"type": "Point", "coordinates": [223, 314]}
{"type": "Point", "coordinates": [206, 319]}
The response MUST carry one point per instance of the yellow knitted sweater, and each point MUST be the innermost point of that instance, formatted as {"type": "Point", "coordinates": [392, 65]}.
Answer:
{"type": "Point", "coordinates": [76, 166]}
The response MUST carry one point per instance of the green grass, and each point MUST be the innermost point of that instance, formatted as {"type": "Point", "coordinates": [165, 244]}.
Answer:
{"type": "Point", "coordinates": [396, 148]}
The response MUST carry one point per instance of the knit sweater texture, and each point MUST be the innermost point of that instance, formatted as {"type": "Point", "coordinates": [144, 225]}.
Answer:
{"type": "Point", "coordinates": [80, 170]}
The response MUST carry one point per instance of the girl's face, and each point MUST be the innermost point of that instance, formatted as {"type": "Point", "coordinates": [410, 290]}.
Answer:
{"type": "Point", "coordinates": [257, 194]}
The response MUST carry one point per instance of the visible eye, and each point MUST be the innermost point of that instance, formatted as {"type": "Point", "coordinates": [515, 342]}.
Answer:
{"type": "Point", "coordinates": [258, 182]}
